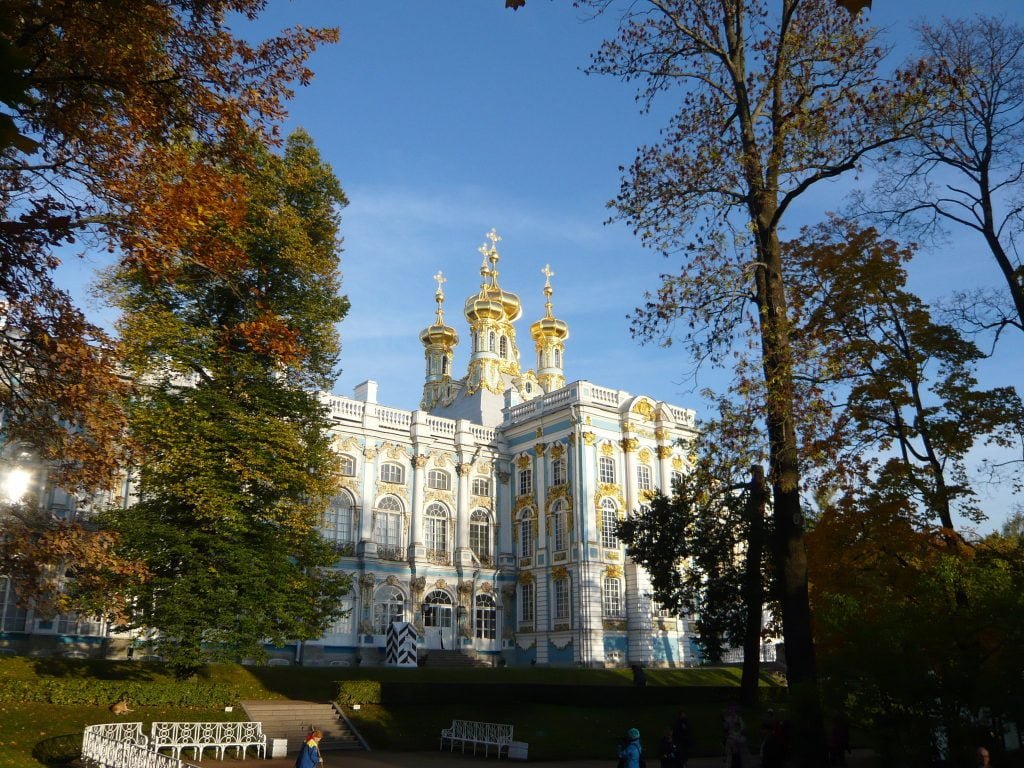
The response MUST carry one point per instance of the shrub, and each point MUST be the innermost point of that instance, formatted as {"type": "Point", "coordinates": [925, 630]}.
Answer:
{"type": "Point", "coordinates": [359, 692]}
{"type": "Point", "coordinates": [104, 692]}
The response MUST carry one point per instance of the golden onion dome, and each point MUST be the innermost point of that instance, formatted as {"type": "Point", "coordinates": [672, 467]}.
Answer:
{"type": "Point", "coordinates": [493, 302]}
{"type": "Point", "coordinates": [438, 332]}
{"type": "Point", "coordinates": [549, 326]}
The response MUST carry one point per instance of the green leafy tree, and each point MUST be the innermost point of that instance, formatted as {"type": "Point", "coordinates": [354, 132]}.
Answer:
{"type": "Point", "coordinates": [235, 466]}
{"type": "Point", "coordinates": [705, 547]}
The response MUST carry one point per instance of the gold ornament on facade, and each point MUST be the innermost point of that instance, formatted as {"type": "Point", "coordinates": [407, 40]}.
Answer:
{"type": "Point", "coordinates": [348, 445]}
{"type": "Point", "coordinates": [677, 463]}
{"type": "Point", "coordinates": [561, 573]}
{"type": "Point", "coordinates": [556, 492]}
{"type": "Point", "coordinates": [463, 470]}
{"type": "Point", "coordinates": [645, 456]}
{"type": "Point", "coordinates": [539, 432]}
{"type": "Point", "coordinates": [370, 452]}
{"type": "Point", "coordinates": [607, 449]}
{"type": "Point", "coordinates": [368, 580]}
{"type": "Point", "coordinates": [486, 588]}
{"type": "Point", "coordinates": [629, 444]}
{"type": "Point", "coordinates": [441, 584]}
{"type": "Point", "coordinates": [395, 451]}
{"type": "Point", "coordinates": [611, 554]}
{"type": "Point", "coordinates": [661, 434]}
{"type": "Point", "coordinates": [589, 438]}
{"type": "Point", "coordinates": [350, 484]}
{"type": "Point", "coordinates": [664, 451]}
{"type": "Point", "coordinates": [523, 502]}
{"type": "Point", "coordinates": [612, 572]}
{"type": "Point", "coordinates": [445, 497]}
{"type": "Point", "coordinates": [484, 467]}
{"type": "Point", "coordinates": [646, 495]}
{"type": "Point", "coordinates": [523, 462]}
{"type": "Point", "coordinates": [644, 409]}
{"type": "Point", "coordinates": [525, 578]}
{"type": "Point", "coordinates": [609, 489]}
{"type": "Point", "coordinates": [391, 581]}
{"type": "Point", "coordinates": [539, 448]}
{"type": "Point", "coordinates": [392, 488]}
{"type": "Point", "coordinates": [419, 461]}
{"type": "Point", "coordinates": [466, 587]}
{"type": "Point", "coordinates": [557, 450]}
{"type": "Point", "coordinates": [614, 625]}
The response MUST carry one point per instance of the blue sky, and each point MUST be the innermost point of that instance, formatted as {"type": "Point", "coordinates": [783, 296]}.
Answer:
{"type": "Point", "coordinates": [445, 119]}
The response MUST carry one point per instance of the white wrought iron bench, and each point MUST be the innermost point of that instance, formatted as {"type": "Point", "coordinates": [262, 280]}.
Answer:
{"type": "Point", "coordinates": [477, 734]}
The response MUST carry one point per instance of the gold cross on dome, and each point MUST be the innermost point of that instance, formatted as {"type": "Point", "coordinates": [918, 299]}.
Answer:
{"type": "Point", "coordinates": [548, 274]}
{"type": "Point", "coordinates": [494, 238]}
{"type": "Point", "coordinates": [441, 280]}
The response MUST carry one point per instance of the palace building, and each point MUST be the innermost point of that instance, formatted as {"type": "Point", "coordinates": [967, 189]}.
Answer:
{"type": "Point", "coordinates": [486, 518]}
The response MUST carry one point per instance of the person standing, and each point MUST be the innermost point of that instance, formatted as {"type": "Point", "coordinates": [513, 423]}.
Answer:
{"type": "Point", "coordinates": [682, 738]}
{"type": "Point", "coordinates": [309, 755]}
{"type": "Point", "coordinates": [630, 750]}
{"type": "Point", "coordinates": [667, 752]}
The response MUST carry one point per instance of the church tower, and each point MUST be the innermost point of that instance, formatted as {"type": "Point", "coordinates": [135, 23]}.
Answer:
{"type": "Point", "coordinates": [494, 356]}
{"type": "Point", "coordinates": [439, 341]}
{"type": "Point", "coordinates": [549, 335]}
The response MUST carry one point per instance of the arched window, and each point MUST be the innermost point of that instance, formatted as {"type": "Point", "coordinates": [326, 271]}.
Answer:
{"type": "Point", "coordinates": [485, 617]}
{"type": "Point", "coordinates": [609, 519]}
{"type": "Point", "coordinates": [435, 524]}
{"type": "Point", "coordinates": [611, 597]}
{"type": "Point", "coordinates": [392, 473]}
{"type": "Point", "coordinates": [527, 594]}
{"type": "Point", "coordinates": [526, 535]}
{"type": "Point", "coordinates": [558, 358]}
{"type": "Point", "coordinates": [525, 481]}
{"type": "Point", "coordinates": [558, 473]}
{"type": "Point", "coordinates": [387, 528]}
{"type": "Point", "coordinates": [480, 535]}
{"type": "Point", "coordinates": [347, 465]}
{"type": "Point", "coordinates": [491, 341]}
{"type": "Point", "coordinates": [439, 479]}
{"type": "Point", "coordinates": [562, 599]}
{"type": "Point", "coordinates": [437, 610]}
{"type": "Point", "coordinates": [337, 526]}
{"type": "Point", "coordinates": [606, 469]}
{"type": "Point", "coordinates": [388, 607]}
{"type": "Point", "coordinates": [643, 477]}
{"type": "Point", "coordinates": [503, 347]}
{"type": "Point", "coordinates": [444, 364]}
{"type": "Point", "coordinates": [560, 527]}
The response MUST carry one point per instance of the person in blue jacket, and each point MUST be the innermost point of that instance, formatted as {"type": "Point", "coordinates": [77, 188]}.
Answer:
{"type": "Point", "coordinates": [630, 751]}
{"type": "Point", "coordinates": [309, 755]}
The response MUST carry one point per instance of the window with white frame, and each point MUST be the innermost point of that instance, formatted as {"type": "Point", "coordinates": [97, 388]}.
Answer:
{"type": "Point", "coordinates": [558, 358]}
{"type": "Point", "coordinates": [606, 469]}
{"type": "Point", "coordinates": [560, 527]}
{"type": "Point", "coordinates": [480, 534]}
{"type": "Point", "coordinates": [562, 599]}
{"type": "Point", "coordinates": [503, 347]}
{"type": "Point", "coordinates": [611, 597]}
{"type": "Point", "coordinates": [392, 473]}
{"type": "Point", "coordinates": [485, 617]}
{"type": "Point", "coordinates": [344, 624]}
{"type": "Point", "coordinates": [677, 478]}
{"type": "Point", "coordinates": [439, 480]}
{"type": "Point", "coordinates": [337, 527]}
{"type": "Point", "coordinates": [643, 478]}
{"type": "Point", "coordinates": [527, 594]}
{"type": "Point", "coordinates": [558, 473]}
{"type": "Point", "coordinates": [435, 528]}
{"type": "Point", "coordinates": [491, 341]}
{"type": "Point", "coordinates": [609, 519]}
{"type": "Point", "coordinates": [388, 607]}
{"type": "Point", "coordinates": [387, 527]}
{"type": "Point", "coordinates": [525, 481]}
{"type": "Point", "coordinates": [481, 486]}
{"type": "Point", "coordinates": [347, 466]}
{"type": "Point", "coordinates": [526, 535]}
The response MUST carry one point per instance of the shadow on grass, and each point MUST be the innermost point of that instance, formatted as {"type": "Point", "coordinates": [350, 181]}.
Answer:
{"type": "Point", "coordinates": [61, 750]}
{"type": "Point", "coordinates": [98, 669]}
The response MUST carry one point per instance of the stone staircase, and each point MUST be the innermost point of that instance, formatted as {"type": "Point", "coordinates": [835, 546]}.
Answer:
{"type": "Point", "coordinates": [293, 720]}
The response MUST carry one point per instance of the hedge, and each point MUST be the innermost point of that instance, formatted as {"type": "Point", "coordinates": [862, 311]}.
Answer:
{"type": "Point", "coordinates": [359, 692]}
{"type": "Point", "coordinates": [100, 692]}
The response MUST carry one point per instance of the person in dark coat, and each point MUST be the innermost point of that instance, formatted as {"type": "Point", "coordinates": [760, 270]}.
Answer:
{"type": "Point", "coordinates": [667, 750]}
{"type": "Point", "coordinates": [683, 739]}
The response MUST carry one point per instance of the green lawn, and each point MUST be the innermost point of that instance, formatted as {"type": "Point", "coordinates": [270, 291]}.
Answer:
{"type": "Point", "coordinates": [588, 727]}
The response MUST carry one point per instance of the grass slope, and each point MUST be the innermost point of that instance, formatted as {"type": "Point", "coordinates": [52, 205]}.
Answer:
{"type": "Point", "coordinates": [587, 728]}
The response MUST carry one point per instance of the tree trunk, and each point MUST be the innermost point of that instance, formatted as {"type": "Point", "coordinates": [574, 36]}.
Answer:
{"type": "Point", "coordinates": [788, 540]}
{"type": "Point", "coordinates": [753, 587]}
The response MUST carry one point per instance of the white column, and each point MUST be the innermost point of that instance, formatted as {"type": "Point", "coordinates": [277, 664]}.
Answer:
{"type": "Point", "coordinates": [416, 548]}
